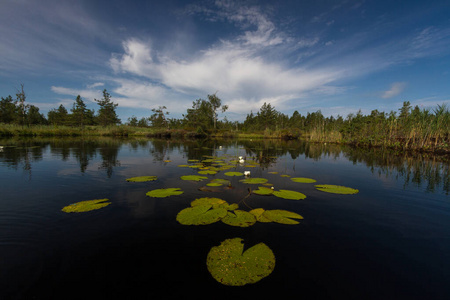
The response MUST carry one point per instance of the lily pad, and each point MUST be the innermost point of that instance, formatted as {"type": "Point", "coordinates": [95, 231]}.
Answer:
{"type": "Point", "coordinates": [239, 218]}
{"type": "Point", "coordinates": [84, 206]}
{"type": "Point", "coordinates": [141, 178]}
{"type": "Point", "coordinates": [234, 174]}
{"type": "Point", "coordinates": [282, 216]}
{"type": "Point", "coordinates": [336, 189]}
{"type": "Point", "coordinates": [214, 184]}
{"type": "Point", "coordinates": [200, 215]}
{"type": "Point", "coordinates": [303, 180]}
{"type": "Point", "coordinates": [205, 172]}
{"type": "Point", "coordinates": [208, 201]}
{"type": "Point", "coordinates": [259, 214]}
{"type": "Point", "coordinates": [162, 193]}
{"type": "Point", "coordinates": [193, 177]}
{"type": "Point", "coordinates": [230, 265]}
{"type": "Point", "coordinates": [254, 180]}
{"type": "Point", "coordinates": [263, 191]}
{"type": "Point", "coordinates": [221, 181]}
{"type": "Point", "coordinates": [287, 194]}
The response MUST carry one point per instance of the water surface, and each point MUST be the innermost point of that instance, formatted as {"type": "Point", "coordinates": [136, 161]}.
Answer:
{"type": "Point", "coordinates": [391, 240]}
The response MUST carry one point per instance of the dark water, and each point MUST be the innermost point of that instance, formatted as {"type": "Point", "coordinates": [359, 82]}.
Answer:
{"type": "Point", "coordinates": [389, 241]}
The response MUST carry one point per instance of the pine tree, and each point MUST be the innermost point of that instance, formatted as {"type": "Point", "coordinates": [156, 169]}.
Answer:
{"type": "Point", "coordinates": [107, 112]}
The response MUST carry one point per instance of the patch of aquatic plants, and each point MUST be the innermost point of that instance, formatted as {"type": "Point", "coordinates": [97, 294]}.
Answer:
{"type": "Point", "coordinates": [84, 206]}
{"type": "Point", "coordinates": [228, 263]}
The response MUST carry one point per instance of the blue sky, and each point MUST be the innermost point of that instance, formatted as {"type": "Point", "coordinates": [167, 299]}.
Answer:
{"type": "Point", "coordinates": [336, 56]}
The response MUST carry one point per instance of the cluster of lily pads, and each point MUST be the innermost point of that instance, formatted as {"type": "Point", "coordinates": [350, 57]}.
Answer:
{"type": "Point", "coordinates": [204, 211]}
{"type": "Point", "coordinates": [228, 263]}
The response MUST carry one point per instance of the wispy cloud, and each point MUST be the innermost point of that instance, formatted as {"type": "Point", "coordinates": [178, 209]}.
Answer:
{"type": "Point", "coordinates": [256, 59]}
{"type": "Point", "coordinates": [238, 68]}
{"type": "Point", "coordinates": [395, 89]}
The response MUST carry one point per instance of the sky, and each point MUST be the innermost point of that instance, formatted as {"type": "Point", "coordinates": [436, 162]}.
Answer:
{"type": "Point", "coordinates": [336, 56]}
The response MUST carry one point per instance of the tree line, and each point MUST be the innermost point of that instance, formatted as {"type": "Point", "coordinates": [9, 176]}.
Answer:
{"type": "Point", "coordinates": [410, 127]}
{"type": "Point", "coordinates": [18, 111]}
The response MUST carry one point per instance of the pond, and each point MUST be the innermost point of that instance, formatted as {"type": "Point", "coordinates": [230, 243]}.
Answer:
{"type": "Point", "coordinates": [389, 238]}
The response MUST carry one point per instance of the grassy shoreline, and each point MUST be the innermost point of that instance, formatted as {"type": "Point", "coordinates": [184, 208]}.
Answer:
{"type": "Point", "coordinates": [438, 146]}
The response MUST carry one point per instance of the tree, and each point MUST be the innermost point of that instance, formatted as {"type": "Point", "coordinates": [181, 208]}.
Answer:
{"type": "Point", "coordinates": [267, 116]}
{"type": "Point", "coordinates": [132, 121]}
{"type": "Point", "coordinates": [199, 116]}
{"type": "Point", "coordinates": [216, 103]}
{"type": "Point", "coordinates": [158, 118]}
{"type": "Point", "coordinates": [58, 116]}
{"type": "Point", "coordinates": [80, 113]}
{"type": "Point", "coordinates": [8, 110]}
{"type": "Point", "coordinates": [34, 117]}
{"type": "Point", "coordinates": [107, 112]}
{"type": "Point", "coordinates": [22, 107]}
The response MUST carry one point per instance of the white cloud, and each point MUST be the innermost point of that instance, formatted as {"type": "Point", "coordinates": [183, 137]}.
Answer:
{"type": "Point", "coordinates": [396, 88]}
{"type": "Point", "coordinates": [94, 85]}
{"type": "Point", "coordinates": [239, 68]}
{"type": "Point", "coordinates": [86, 94]}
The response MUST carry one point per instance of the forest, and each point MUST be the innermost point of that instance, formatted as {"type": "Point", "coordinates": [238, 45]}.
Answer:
{"type": "Point", "coordinates": [411, 128]}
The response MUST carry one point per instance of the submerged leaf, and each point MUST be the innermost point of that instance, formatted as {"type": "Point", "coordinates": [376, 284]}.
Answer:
{"type": "Point", "coordinates": [303, 180]}
{"type": "Point", "coordinates": [239, 218]}
{"type": "Point", "coordinates": [162, 193]}
{"type": "Point", "coordinates": [141, 178]}
{"type": "Point", "coordinates": [84, 206]}
{"type": "Point", "coordinates": [287, 194]}
{"type": "Point", "coordinates": [254, 180]}
{"type": "Point", "coordinates": [282, 216]}
{"type": "Point", "coordinates": [193, 177]}
{"type": "Point", "coordinates": [229, 265]}
{"type": "Point", "coordinates": [200, 215]}
{"type": "Point", "coordinates": [336, 189]}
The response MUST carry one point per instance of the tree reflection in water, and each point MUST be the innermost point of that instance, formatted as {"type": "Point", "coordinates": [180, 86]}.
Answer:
{"type": "Point", "coordinates": [419, 169]}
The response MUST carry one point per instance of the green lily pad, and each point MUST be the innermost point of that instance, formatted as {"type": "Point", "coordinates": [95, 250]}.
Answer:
{"type": "Point", "coordinates": [263, 191]}
{"type": "Point", "coordinates": [141, 178]}
{"type": "Point", "coordinates": [208, 201]}
{"type": "Point", "coordinates": [230, 265]}
{"type": "Point", "coordinates": [221, 181]}
{"type": "Point", "coordinates": [200, 215]}
{"type": "Point", "coordinates": [303, 180]}
{"type": "Point", "coordinates": [162, 193]}
{"type": "Point", "coordinates": [234, 174]}
{"type": "Point", "coordinates": [282, 216]}
{"type": "Point", "coordinates": [193, 177]}
{"type": "Point", "coordinates": [205, 172]}
{"type": "Point", "coordinates": [259, 214]}
{"type": "Point", "coordinates": [254, 180]}
{"type": "Point", "coordinates": [287, 194]}
{"type": "Point", "coordinates": [84, 206]}
{"type": "Point", "coordinates": [336, 189]}
{"type": "Point", "coordinates": [214, 184]}
{"type": "Point", "coordinates": [239, 218]}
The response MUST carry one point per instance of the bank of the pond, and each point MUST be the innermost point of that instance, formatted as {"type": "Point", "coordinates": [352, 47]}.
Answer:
{"type": "Point", "coordinates": [437, 146]}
